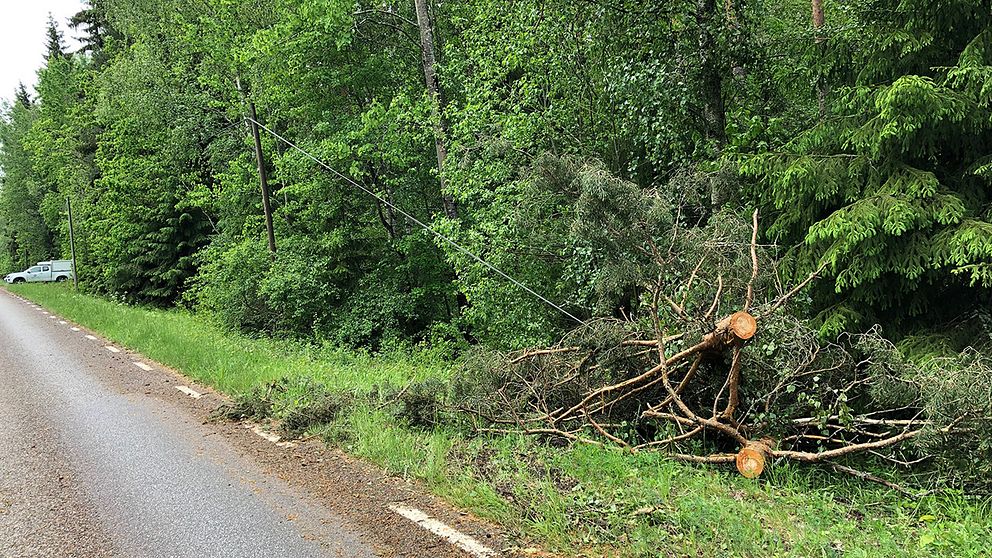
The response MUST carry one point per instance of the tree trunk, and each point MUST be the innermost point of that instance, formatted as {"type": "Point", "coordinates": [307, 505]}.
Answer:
{"type": "Point", "coordinates": [818, 17]}
{"type": "Point", "coordinates": [711, 88]}
{"type": "Point", "coordinates": [437, 99]}
{"type": "Point", "coordinates": [711, 82]}
{"type": "Point", "coordinates": [821, 86]}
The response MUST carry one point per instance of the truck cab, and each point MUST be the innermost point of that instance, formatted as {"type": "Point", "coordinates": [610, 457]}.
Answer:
{"type": "Point", "coordinates": [43, 272]}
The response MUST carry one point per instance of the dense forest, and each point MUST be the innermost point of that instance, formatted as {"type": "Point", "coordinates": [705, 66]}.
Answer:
{"type": "Point", "coordinates": [554, 140]}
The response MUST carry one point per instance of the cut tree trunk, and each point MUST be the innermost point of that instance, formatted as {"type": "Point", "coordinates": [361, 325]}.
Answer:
{"type": "Point", "coordinates": [751, 458]}
{"type": "Point", "coordinates": [739, 326]}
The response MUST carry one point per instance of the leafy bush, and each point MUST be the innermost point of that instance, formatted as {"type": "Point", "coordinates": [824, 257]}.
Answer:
{"type": "Point", "coordinates": [320, 290]}
{"type": "Point", "coordinates": [228, 286]}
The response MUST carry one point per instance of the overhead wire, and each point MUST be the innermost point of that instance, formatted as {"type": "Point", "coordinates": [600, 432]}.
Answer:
{"type": "Point", "coordinates": [416, 221]}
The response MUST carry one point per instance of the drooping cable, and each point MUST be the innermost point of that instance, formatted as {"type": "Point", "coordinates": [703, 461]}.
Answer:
{"type": "Point", "coordinates": [416, 221]}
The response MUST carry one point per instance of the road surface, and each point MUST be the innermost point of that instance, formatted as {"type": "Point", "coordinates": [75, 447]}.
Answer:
{"type": "Point", "coordinates": [102, 455]}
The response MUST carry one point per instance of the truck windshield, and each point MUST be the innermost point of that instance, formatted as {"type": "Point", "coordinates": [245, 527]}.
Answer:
{"type": "Point", "coordinates": [34, 269]}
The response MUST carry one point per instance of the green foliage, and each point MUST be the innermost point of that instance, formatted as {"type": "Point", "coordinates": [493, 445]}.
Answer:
{"type": "Point", "coordinates": [888, 187]}
{"type": "Point", "coordinates": [25, 238]}
{"type": "Point", "coordinates": [232, 294]}
{"type": "Point", "coordinates": [141, 128]}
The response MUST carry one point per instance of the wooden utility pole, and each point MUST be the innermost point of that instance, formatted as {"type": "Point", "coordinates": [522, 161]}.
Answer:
{"type": "Point", "coordinates": [818, 18]}
{"type": "Point", "coordinates": [263, 178]}
{"type": "Point", "coordinates": [72, 244]}
{"type": "Point", "coordinates": [437, 98]}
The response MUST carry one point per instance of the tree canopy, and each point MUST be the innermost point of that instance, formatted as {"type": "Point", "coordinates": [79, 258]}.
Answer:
{"type": "Point", "coordinates": [862, 138]}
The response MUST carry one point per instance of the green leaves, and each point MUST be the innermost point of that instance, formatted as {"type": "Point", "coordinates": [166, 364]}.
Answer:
{"type": "Point", "coordinates": [889, 188]}
{"type": "Point", "coordinates": [890, 185]}
{"type": "Point", "coordinates": [968, 248]}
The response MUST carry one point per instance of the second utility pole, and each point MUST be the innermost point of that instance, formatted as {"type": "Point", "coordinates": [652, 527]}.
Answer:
{"type": "Point", "coordinates": [72, 244]}
{"type": "Point", "coordinates": [263, 179]}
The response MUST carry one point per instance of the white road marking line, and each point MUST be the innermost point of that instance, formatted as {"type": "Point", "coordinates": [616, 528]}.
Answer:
{"type": "Point", "coordinates": [274, 438]}
{"type": "Point", "coordinates": [452, 535]}
{"type": "Point", "coordinates": [112, 349]}
{"type": "Point", "coordinates": [52, 317]}
{"type": "Point", "coordinates": [142, 366]}
{"type": "Point", "coordinates": [267, 435]}
{"type": "Point", "coordinates": [190, 392]}
{"type": "Point", "coordinates": [74, 328]}
{"type": "Point", "coordinates": [45, 313]}
{"type": "Point", "coordinates": [62, 322]}
{"type": "Point", "coordinates": [91, 338]}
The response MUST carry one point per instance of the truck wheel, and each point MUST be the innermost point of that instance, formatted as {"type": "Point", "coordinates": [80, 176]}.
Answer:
{"type": "Point", "coordinates": [19, 280]}
{"type": "Point", "coordinates": [61, 279]}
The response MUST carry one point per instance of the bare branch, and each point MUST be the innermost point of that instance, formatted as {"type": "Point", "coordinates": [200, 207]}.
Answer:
{"type": "Point", "coordinates": [749, 298]}
{"type": "Point", "coordinates": [785, 298]}
{"type": "Point", "coordinates": [874, 478]}
{"type": "Point", "coordinates": [716, 298]}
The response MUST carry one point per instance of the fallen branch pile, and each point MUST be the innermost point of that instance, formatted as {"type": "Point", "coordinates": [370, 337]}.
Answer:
{"type": "Point", "coordinates": [752, 385]}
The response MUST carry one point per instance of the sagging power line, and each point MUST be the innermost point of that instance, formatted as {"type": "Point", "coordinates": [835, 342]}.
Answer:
{"type": "Point", "coordinates": [414, 220]}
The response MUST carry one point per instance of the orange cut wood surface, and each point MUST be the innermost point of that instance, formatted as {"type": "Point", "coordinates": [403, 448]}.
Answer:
{"type": "Point", "coordinates": [743, 325]}
{"type": "Point", "coordinates": [750, 462]}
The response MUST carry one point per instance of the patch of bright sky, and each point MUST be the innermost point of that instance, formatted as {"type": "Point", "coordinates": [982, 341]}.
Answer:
{"type": "Point", "coordinates": [22, 38]}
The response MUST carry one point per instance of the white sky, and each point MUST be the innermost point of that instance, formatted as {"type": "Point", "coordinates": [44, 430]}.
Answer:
{"type": "Point", "coordinates": [22, 38]}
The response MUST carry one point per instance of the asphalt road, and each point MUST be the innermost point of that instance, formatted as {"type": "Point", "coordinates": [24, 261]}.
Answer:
{"type": "Point", "coordinates": [91, 466]}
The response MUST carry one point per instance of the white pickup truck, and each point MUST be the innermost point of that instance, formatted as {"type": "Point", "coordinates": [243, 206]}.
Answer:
{"type": "Point", "coordinates": [55, 270]}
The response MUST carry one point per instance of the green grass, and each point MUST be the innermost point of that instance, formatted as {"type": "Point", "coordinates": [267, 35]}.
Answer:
{"type": "Point", "coordinates": [231, 363]}
{"type": "Point", "coordinates": [578, 501]}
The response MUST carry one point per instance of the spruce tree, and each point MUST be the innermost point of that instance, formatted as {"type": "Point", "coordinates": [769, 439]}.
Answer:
{"type": "Point", "coordinates": [22, 96]}
{"type": "Point", "coordinates": [893, 189]}
{"type": "Point", "coordinates": [54, 45]}
{"type": "Point", "coordinates": [96, 30]}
